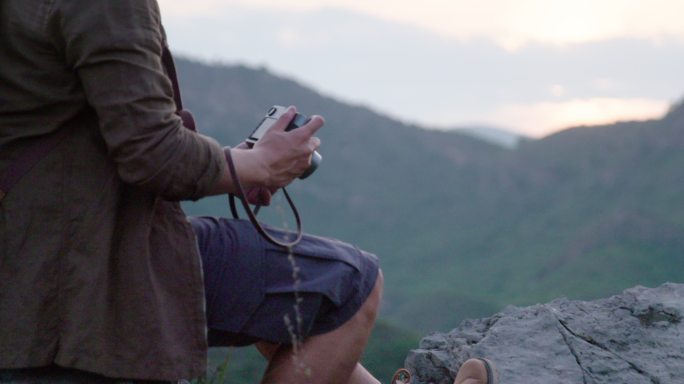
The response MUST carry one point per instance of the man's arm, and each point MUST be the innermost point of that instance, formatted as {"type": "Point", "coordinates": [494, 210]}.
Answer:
{"type": "Point", "coordinates": [115, 47]}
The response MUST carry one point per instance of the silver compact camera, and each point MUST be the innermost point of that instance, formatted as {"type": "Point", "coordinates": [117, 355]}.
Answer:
{"type": "Point", "coordinates": [267, 122]}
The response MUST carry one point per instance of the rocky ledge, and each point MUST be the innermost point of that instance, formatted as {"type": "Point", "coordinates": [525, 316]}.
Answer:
{"type": "Point", "coordinates": [633, 337]}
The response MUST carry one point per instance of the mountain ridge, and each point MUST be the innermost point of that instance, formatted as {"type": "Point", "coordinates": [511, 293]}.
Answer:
{"type": "Point", "coordinates": [469, 224]}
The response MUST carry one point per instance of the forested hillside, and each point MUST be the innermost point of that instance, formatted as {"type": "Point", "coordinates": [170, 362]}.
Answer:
{"type": "Point", "coordinates": [464, 227]}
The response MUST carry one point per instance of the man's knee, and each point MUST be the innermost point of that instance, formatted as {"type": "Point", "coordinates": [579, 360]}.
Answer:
{"type": "Point", "coordinates": [267, 350]}
{"type": "Point", "coordinates": [379, 286]}
{"type": "Point", "coordinates": [371, 306]}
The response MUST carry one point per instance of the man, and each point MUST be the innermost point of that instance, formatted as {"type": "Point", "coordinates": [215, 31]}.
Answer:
{"type": "Point", "coordinates": [100, 272]}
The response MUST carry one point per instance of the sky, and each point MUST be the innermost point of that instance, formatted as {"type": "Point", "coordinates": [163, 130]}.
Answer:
{"type": "Point", "coordinates": [529, 66]}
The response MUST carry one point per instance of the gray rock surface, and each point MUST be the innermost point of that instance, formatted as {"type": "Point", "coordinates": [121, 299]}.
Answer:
{"type": "Point", "coordinates": [634, 337]}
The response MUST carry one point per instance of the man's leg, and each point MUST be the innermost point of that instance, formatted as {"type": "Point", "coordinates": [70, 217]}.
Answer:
{"type": "Point", "coordinates": [332, 357]}
{"type": "Point", "coordinates": [359, 376]}
{"type": "Point", "coordinates": [339, 284]}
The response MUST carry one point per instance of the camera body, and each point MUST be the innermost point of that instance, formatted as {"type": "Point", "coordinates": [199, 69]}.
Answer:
{"type": "Point", "coordinates": [267, 122]}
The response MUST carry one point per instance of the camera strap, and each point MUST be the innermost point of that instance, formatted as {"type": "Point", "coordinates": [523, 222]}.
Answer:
{"type": "Point", "coordinates": [170, 68]}
{"type": "Point", "coordinates": [189, 122]}
{"type": "Point", "coordinates": [240, 194]}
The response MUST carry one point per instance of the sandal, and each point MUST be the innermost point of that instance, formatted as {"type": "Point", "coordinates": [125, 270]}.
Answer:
{"type": "Point", "coordinates": [472, 370]}
{"type": "Point", "coordinates": [401, 376]}
{"type": "Point", "coordinates": [492, 374]}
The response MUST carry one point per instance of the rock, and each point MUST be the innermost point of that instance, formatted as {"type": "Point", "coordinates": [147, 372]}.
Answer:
{"type": "Point", "coordinates": [634, 337]}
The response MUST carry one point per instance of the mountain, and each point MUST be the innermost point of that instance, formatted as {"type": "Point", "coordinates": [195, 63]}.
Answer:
{"type": "Point", "coordinates": [464, 227]}
{"type": "Point", "coordinates": [502, 137]}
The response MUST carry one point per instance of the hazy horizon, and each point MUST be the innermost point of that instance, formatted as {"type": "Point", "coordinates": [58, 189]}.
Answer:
{"type": "Point", "coordinates": [533, 68]}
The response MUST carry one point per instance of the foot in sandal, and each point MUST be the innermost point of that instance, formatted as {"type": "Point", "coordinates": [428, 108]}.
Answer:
{"type": "Point", "coordinates": [477, 371]}
{"type": "Point", "coordinates": [473, 371]}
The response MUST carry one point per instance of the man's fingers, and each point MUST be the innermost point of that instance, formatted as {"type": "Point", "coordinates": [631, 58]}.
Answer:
{"type": "Point", "coordinates": [314, 143]}
{"type": "Point", "coordinates": [306, 132]}
{"type": "Point", "coordinates": [284, 120]}
{"type": "Point", "coordinates": [313, 125]}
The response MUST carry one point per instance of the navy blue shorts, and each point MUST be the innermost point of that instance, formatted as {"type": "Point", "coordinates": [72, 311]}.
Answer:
{"type": "Point", "coordinates": [256, 291]}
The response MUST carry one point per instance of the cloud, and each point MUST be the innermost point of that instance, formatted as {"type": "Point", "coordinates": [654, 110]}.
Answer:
{"type": "Point", "coordinates": [603, 84]}
{"type": "Point", "coordinates": [512, 24]}
{"type": "Point", "coordinates": [418, 76]}
{"type": "Point", "coordinates": [540, 119]}
{"type": "Point", "coordinates": [557, 90]}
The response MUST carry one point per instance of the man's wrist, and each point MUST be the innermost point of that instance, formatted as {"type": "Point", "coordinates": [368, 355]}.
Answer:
{"type": "Point", "coordinates": [248, 167]}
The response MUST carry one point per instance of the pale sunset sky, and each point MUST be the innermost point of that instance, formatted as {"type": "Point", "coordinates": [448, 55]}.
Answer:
{"type": "Point", "coordinates": [529, 66]}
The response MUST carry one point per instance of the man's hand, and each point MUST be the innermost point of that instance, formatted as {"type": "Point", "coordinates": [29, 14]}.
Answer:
{"type": "Point", "coordinates": [287, 155]}
{"type": "Point", "coordinates": [258, 195]}
{"type": "Point", "coordinates": [276, 159]}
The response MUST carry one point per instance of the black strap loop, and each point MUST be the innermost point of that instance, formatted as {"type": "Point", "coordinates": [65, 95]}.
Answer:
{"type": "Point", "coordinates": [170, 67]}
{"type": "Point", "coordinates": [250, 214]}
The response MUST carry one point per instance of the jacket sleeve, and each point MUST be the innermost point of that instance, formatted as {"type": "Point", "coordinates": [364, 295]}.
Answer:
{"type": "Point", "coordinates": [115, 48]}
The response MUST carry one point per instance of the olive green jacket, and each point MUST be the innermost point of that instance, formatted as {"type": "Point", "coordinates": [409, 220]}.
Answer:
{"type": "Point", "coordinates": [99, 269]}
